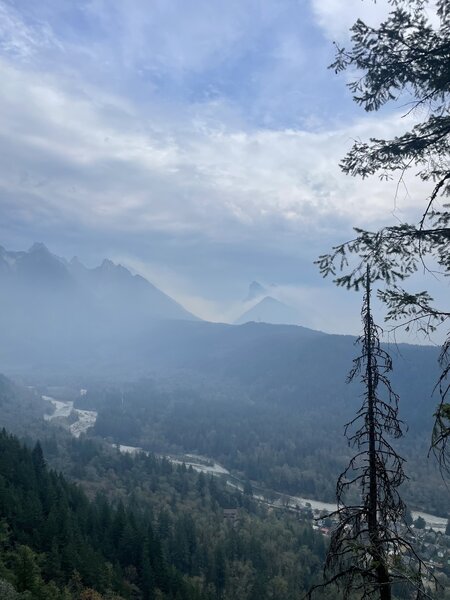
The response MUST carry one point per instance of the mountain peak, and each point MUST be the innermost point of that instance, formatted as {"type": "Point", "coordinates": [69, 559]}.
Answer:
{"type": "Point", "coordinates": [38, 247]}
{"type": "Point", "coordinates": [111, 271]}
{"type": "Point", "coordinates": [107, 264]}
{"type": "Point", "coordinates": [255, 290]}
{"type": "Point", "coordinates": [107, 300]}
{"type": "Point", "coordinates": [270, 310]}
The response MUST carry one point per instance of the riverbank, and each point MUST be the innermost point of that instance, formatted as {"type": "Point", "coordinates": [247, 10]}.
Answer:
{"type": "Point", "coordinates": [86, 420]}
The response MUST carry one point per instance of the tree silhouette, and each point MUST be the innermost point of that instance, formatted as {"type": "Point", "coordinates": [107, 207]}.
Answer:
{"type": "Point", "coordinates": [369, 552]}
{"type": "Point", "coordinates": [407, 55]}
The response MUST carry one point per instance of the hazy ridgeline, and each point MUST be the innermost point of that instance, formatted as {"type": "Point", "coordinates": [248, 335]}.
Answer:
{"type": "Point", "coordinates": [269, 401]}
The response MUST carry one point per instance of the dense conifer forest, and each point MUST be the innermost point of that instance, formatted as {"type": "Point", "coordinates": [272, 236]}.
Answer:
{"type": "Point", "coordinates": [266, 437]}
{"type": "Point", "coordinates": [145, 530]}
{"type": "Point", "coordinates": [117, 525]}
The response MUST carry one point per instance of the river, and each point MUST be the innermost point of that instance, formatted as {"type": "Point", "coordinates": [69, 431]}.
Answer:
{"type": "Point", "coordinates": [86, 420]}
{"type": "Point", "coordinates": [63, 409]}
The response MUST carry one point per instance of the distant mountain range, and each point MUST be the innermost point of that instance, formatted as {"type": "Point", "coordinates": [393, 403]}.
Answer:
{"type": "Point", "coordinates": [50, 307]}
{"type": "Point", "coordinates": [61, 322]}
{"type": "Point", "coordinates": [59, 316]}
{"type": "Point", "coordinates": [111, 287]}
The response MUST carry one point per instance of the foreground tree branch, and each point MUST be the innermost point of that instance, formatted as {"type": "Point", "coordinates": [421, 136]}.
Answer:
{"type": "Point", "coordinates": [407, 54]}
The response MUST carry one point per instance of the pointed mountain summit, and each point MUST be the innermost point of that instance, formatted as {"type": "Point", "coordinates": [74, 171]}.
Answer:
{"type": "Point", "coordinates": [255, 291]}
{"type": "Point", "coordinates": [270, 310]}
{"type": "Point", "coordinates": [40, 267]}
{"type": "Point", "coordinates": [116, 286]}
{"type": "Point", "coordinates": [39, 248]}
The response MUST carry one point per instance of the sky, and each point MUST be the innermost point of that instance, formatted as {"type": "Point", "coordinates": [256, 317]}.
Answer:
{"type": "Point", "coordinates": [196, 142]}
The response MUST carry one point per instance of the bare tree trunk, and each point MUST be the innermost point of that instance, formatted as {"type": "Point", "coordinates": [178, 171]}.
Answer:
{"type": "Point", "coordinates": [372, 529]}
{"type": "Point", "coordinates": [382, 572]}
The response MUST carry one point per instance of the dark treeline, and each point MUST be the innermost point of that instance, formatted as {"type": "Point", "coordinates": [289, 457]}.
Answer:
{"type": "Point", "coordinates": [154, 532]}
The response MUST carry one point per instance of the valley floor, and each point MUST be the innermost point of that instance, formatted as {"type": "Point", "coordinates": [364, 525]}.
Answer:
{"type": "Point", "coordinates": [85, 420]}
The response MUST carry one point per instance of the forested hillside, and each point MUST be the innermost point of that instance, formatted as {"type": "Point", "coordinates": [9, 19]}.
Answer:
{"type": "Point", "coordinates": [148, 531]}
{"type": "Point", "coordinates": [268, 435]}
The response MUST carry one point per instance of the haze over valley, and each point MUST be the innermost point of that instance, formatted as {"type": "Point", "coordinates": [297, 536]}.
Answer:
{"type": "Point", "coordinates": [224, 275]}
{"type": "Point", "coordinates": [250, 396]}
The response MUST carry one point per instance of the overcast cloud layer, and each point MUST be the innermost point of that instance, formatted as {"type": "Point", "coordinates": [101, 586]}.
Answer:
{"type": "Point", "coordinates": [196, 142]}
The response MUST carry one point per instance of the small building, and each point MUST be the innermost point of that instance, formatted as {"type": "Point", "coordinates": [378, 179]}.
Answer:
{"type": "Point", "coordinates": [230, 514]}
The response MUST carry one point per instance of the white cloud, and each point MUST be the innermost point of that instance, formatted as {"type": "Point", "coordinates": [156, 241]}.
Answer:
{"type": "Point", "coordinates": [181, 36]}
{"type": "Point", "coordinates": [89, 160]}
{"type": "Point", "coordinates": [76, 155]}
{"type": "Point", "coordinates": [21, 40]}
{"type": "Point", "coordinates": [336, 17]}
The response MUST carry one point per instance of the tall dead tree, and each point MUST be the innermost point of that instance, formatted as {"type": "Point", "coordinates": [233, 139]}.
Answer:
{"type": "Point", "coordinates": [370, 551]}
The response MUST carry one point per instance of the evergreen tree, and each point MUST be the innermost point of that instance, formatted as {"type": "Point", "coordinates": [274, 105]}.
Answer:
{"type": "Point", "coordinates": [407, 55]}
{"type": "Point", "coordinates": [248, 489]}
{"type": "Point", "coordinates": [147, 577]}
{"type": "Point", "coordinates": [38, 458]}
{"type": "Point", "coordinates": [26, 570]}
{"type": "Point", "coordinates": [419, 523]}
{"type": "Point", "coordinates": [219, 569]}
